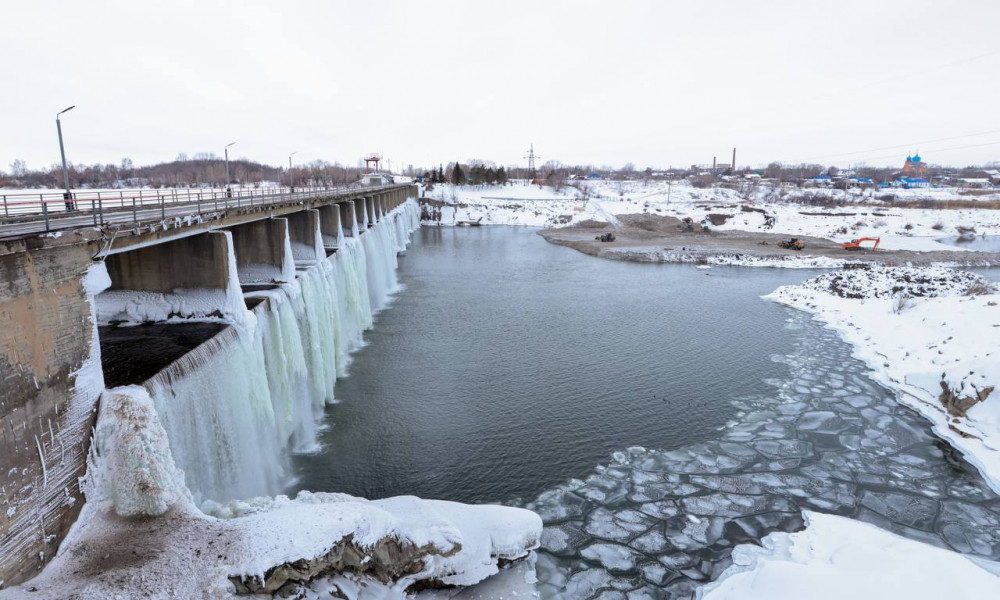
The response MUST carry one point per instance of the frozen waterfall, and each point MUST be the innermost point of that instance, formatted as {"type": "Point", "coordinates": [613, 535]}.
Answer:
{"type": "Point", "coordinates": [234, 407]}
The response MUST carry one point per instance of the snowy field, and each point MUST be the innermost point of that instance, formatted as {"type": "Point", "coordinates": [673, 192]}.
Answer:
{"type": "Point", "coordinates": [542, 206]}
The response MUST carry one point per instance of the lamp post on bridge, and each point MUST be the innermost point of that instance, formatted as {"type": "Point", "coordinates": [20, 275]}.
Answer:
{"type": "Point", "coordinates": [291, 182]}
{"type": "Point", "coordinates": [67, 195]}
{"type": "Point", "coordinates": [229, 191]}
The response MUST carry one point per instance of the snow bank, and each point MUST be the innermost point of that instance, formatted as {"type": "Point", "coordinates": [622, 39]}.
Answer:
{"type": "Point", "coordinates": [296, 546]}
{"type": "Point", "coordinates": [836, 558]}
{"type": "Point", "coordinates": [922, 336]}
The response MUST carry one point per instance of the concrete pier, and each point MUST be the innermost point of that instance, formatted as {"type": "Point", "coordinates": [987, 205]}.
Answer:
{"type": "Point", "coordinates": [361, 211]}
{"type": "Point", "coordinates": [304, 233]}
{"type": "Point", "coordinates": [329, 225]}
{"type": "Point", "coordinates": [190, 277]}
{"type": "Point", "coordinates": [263, 251]}
{"type": "Point", "coordinates": [370, 207]}
{"type": "Point", "coordinates": [347, 217]}
{"type": "Point", "coordinates": [194, 262]}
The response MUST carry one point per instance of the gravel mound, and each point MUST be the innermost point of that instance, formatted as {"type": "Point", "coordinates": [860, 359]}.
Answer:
{"type": "Point", "coordinates": [874, 281]}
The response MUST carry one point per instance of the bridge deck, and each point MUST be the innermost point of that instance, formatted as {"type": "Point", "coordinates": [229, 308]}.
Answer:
{"type": "Point", "coordinates": [32, 214]}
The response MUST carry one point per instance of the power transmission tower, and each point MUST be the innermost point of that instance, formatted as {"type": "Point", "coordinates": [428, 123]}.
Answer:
{"type": "Point", "coordinates": [531, 162]}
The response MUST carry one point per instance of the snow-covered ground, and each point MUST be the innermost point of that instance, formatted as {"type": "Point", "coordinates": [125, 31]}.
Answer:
{"type": "Point", "coordinates": [930, 334]}
{"type": "Point", "coordinates": [837, 558]}
{"type": "Point", "coordinates": [899, 228]}
{"type": "Point", "coordinates": [312, 545]}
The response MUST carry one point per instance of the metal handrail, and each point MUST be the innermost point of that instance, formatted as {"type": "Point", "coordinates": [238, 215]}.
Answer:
{"type": "Point", "coordinates": [104, 206]}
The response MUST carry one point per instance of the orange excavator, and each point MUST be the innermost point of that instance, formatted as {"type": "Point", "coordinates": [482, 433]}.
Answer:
{"type": "Point", "coordinates": [856, 244]}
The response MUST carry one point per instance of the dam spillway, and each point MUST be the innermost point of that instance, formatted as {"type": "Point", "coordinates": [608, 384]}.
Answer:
{"type": "Point", "coordinates": [254, 309]}
{"type": "Point", "coordinates": [237, 404]}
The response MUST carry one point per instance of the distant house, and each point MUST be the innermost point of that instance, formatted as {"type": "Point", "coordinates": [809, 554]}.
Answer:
{"type": "Point", "coordinates": [860, 181]}
{"type": "Point", "coordinates": [821, 180]}
{"type": "Point", "coordinates": [974, 182]}
{"type": "Point", "coordinates": [910, 183]}
{"type": "Point", "coordinates": [593, 175]}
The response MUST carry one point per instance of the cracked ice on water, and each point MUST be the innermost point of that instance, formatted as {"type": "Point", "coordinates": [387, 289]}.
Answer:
{"type": "Point", "coordinates": [658, 524]}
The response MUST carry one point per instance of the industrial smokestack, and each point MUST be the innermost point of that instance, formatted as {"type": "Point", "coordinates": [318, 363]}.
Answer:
{"type": "Point", "coordinates": [734, 160]}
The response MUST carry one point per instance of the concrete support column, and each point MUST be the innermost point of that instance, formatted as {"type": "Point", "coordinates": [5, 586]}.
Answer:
{"type": "Point", "coordinates": [329, 225]}
{"type": "Point", "coordinates": [263, 251]}
{"type": "Point", "coordinates": [190, 277]}
{"type": "Point", "coordinates": [304, 232]}
{"type": "Point", "coordinates": [361, 213]}
{"type": "Point", "coordinates": [347, 218]}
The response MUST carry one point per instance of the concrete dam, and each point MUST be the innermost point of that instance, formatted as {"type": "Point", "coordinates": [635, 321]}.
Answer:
{"type": "Point", "coordinates": [234, 321]}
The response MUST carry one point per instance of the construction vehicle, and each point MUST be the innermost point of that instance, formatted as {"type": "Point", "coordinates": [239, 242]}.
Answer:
{"type": "Point", "coordinates": [606, 237]}
{"type": "Point", "coordinates": [791, 244]}
{"type": "Point", "coordinates": [856, 244]}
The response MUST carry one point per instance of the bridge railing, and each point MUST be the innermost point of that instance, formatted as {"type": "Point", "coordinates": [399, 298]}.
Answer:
{"type": "Point", "coordinates": [126, 205]}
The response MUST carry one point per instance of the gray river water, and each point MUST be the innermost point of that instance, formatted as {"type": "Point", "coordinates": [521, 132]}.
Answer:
{"type": "Point", "coordinates": [654, 415]}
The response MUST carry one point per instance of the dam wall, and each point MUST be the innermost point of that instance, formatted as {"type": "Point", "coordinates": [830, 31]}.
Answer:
{"type": "Point", "coordinates": [236, 406]}
{"type": "Point", "coordinates": [235, 267]}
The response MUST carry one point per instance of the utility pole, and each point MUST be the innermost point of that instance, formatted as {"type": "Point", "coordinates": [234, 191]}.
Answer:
{"type": "Point", "coordinates": [67, 195]}
{"type": "Point", "coordinates": [291, 182]}
{"type": "Point", "coordinates": [229, 191]}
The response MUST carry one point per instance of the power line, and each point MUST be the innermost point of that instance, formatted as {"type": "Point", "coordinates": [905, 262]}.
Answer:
{"type": "Point", "coordinates": [997, 143]}
{"type": "Point", "coordinates": [911, 145]}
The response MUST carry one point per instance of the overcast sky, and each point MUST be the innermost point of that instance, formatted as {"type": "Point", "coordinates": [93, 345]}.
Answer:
{"type": "Point", "coordinates": [655, 83]}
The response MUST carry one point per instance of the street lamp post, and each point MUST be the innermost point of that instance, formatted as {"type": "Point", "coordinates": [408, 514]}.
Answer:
{"type": "Point", "coordinates": [229, 191]}
{"type": "Point", "coordinates": [67, 195]}
{"type": "Point", "coordinates": [291, 182]}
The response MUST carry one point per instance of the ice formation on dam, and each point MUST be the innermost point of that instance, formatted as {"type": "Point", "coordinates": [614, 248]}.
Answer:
{"type": "Point", "coordinates": [235, 406]}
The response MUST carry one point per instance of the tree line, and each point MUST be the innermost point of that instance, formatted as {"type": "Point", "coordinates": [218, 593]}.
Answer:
{"type": "Point", "coordinates": [476, 173]}
{"type": "Point", "coordinates": [203, 170]}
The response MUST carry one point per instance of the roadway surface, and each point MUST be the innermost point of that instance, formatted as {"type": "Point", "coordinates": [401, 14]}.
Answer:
{"type": "Point", "coordinates": [153, 211]}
